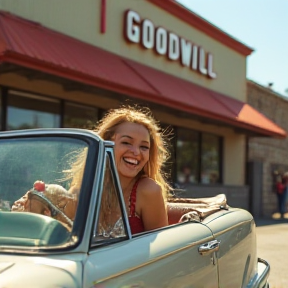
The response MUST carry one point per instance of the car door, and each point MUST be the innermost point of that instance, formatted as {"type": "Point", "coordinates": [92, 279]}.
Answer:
{"type": "Point", "coordinates": [237, 255]}
{"type": "Point", "coordinates": [167, 257]}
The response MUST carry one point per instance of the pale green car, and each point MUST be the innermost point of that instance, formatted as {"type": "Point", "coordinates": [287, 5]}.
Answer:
{"type": "Point", "coordinates": [63, 223]}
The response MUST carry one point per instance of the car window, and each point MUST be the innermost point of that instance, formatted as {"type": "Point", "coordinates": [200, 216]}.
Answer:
{"type": "Point", "coordinates": [39, 190]}
{"type": "Point", "coordinates": [109, 224]}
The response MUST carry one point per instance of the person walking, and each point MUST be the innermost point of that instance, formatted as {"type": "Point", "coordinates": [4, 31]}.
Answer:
{"type": "Point", "coordinates": [285, 192]}
{"type": "Point", "coordinates": [281, 192]}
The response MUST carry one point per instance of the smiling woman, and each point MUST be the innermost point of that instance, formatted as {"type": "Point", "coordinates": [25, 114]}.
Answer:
{"type": "Point", "coordinates": [139, 155]}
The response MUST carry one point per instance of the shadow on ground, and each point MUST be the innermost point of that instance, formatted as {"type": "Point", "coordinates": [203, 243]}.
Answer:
{"type": "Point", "coordinates": [273, 220]}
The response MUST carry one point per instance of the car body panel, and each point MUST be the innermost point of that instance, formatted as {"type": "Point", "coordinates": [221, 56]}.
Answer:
{"type": "Point", "coordinates": [158, 259]}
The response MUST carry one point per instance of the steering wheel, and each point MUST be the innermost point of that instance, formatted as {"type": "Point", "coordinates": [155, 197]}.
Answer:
{"type": "Point", "coordinates": [31, 229]}
{"type": "Point", "coordinates": [56, 213]}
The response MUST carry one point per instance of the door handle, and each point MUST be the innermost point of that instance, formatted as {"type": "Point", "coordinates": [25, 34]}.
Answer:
{"type": "Point", "coordinates": [209, 247]}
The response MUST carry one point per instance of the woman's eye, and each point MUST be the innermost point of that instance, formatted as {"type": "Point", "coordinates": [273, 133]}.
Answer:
{"type": "Point", "coordinates": [125, 143]}
{"type": "Point", "coordinates": [145, 148]}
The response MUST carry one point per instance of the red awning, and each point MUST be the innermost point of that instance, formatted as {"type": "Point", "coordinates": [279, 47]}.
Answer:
{"type": "Point", "coordinates": [29, 44]}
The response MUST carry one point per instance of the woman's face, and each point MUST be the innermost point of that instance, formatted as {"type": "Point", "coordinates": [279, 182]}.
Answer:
{"type": "Point", "coordinates": [132, 147]}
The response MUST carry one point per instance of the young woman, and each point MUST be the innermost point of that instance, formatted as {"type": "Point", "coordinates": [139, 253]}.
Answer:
{"type": "Point", "coordinates": [139, 155]}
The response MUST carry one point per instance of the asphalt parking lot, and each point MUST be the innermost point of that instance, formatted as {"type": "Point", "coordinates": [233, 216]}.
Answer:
{"type": "Point", "coordinates": [272, 246]}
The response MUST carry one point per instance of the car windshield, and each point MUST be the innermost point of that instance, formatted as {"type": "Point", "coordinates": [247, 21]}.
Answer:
{"type": "Point", "coordinates": [40, 184]}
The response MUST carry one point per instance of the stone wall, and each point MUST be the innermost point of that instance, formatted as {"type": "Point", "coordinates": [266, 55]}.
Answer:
{"type": "Point", "coordinates": [273, 153]}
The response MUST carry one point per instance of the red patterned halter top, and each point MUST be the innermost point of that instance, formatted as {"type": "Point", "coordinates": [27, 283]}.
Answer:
{"type": "Point", "coordinates": [136, 224]}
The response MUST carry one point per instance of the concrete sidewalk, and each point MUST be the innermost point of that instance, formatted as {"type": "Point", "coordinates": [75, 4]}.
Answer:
{"type": "Point", "coordinates": [272, 246]}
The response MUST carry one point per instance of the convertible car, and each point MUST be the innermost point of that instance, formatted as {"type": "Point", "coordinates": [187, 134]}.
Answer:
{"type": "Point", "coordinates": [63, 223]}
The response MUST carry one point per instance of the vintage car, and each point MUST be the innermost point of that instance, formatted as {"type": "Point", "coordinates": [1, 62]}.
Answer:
{"type": "Point", "coordinates": [63, 223]}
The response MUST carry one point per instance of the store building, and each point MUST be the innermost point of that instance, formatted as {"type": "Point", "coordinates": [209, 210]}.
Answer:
{"type": "Point", "coordinates": [267, 157]}
{"type": "Point", "coordinates": [62, 63]}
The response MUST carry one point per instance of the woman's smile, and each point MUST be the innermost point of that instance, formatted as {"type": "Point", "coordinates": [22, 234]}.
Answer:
{"type": "Point", "coordinates": [131, 161]}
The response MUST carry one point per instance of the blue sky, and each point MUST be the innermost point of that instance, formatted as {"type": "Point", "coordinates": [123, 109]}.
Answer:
{"type": "Point", "coordinates": [260, 24]}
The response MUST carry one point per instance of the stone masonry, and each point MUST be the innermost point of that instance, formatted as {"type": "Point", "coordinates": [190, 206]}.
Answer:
{"type": "Point", "coordinates": [273, 153]}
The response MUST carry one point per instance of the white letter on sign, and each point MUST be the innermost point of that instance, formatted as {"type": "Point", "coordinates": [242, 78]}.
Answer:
{"type": "Point", "coordinates": [202, 62]}
{"type": "Point", "coordinates": [194, 65]}
{"type": "Point", "coordinates": [132, 30]}
{"type": "Point", "coordinates": [186, 51]}
{"type": "Point", "coordinates": [161, 41]}
{"type": "Point", "coordinates": [173, 51]}
{"type": "Point", "coordinates": [211, 74]}
{"type": "Point", "coordinates": [147, 34]}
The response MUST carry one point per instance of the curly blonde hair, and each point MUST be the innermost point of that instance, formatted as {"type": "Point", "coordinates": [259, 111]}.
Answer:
{"type": "Point", "coordinates": [158, 148]}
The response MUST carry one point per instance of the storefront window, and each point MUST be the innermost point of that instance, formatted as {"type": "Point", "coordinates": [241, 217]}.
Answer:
{"type": "Point", "coordinates": [197, 158]}
{"type": "Point", "coordinates": [210, 159]}
{"type": "Point", "coordinates": [79, 116]}
{"type": "Point", "coordinates": [26, 111]}
{"type": "Point", "coordinates": [187, 151]}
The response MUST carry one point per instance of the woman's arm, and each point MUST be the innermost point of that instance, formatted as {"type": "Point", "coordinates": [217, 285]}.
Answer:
{"type": "Point", "coordinates": [150, 205]}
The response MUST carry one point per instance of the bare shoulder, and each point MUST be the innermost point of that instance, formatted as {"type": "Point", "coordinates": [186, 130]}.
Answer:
{"type": "Point", "coordinates": [149, 188]}
{"type": "Point", "coordinates": [150, 204]}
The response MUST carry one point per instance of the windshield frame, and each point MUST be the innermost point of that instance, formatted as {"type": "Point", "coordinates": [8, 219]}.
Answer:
{"type": "Point", "coordinates": [94, 144]}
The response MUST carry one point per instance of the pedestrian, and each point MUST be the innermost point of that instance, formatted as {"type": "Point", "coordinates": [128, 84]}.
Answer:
{"type": "Point", "coordinates": [281, 191]}
{"type": "Point", "coordinates": [285, 192]}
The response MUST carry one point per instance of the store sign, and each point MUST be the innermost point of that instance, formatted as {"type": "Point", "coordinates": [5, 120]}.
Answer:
{"type": "Point", "coordinates": [163, 42]}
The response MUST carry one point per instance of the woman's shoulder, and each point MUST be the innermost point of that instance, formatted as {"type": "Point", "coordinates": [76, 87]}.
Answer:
{"type": "Point", "coordinates": [148, 186]}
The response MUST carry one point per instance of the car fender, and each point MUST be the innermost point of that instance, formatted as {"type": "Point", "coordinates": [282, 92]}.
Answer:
{"type": "Point", "coordinates": [37, 272]}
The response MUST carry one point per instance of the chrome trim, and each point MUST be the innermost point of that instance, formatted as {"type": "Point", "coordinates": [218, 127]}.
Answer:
{"type": "Point", "coordinates": [50, 131]}
{"type": "Point", "coordinates": [122, 202]}
{"type": "Point", "coordinates": [209, 247]}
{"type": "Point", "coordinates": [262, 280]}
{"type": "Point", "coordinates": [109, 144]}
{"type": "Point", "coordinates": [98, 196]}
{"type": "Point", "coordinates": [95, 196]}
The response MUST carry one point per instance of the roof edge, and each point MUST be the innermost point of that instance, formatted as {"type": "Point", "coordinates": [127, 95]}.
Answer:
{"type": "Point", "coordinates": [17, 59]}
{"type": "Point", "coordinates": [188, 16]}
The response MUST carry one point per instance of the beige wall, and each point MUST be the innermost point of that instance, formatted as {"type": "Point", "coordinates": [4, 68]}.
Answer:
{"type": "Point", "coordinates": [234, 159]}
{"type": "Point", "coordinates": [83, 22]}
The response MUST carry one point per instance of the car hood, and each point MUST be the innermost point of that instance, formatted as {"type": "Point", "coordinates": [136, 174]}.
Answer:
{"type": "Point", "coordinates": [20, 271]}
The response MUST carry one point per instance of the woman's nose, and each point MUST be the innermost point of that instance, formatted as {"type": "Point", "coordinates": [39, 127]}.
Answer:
{"type": "Point", "coordinates": [135, 150]}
